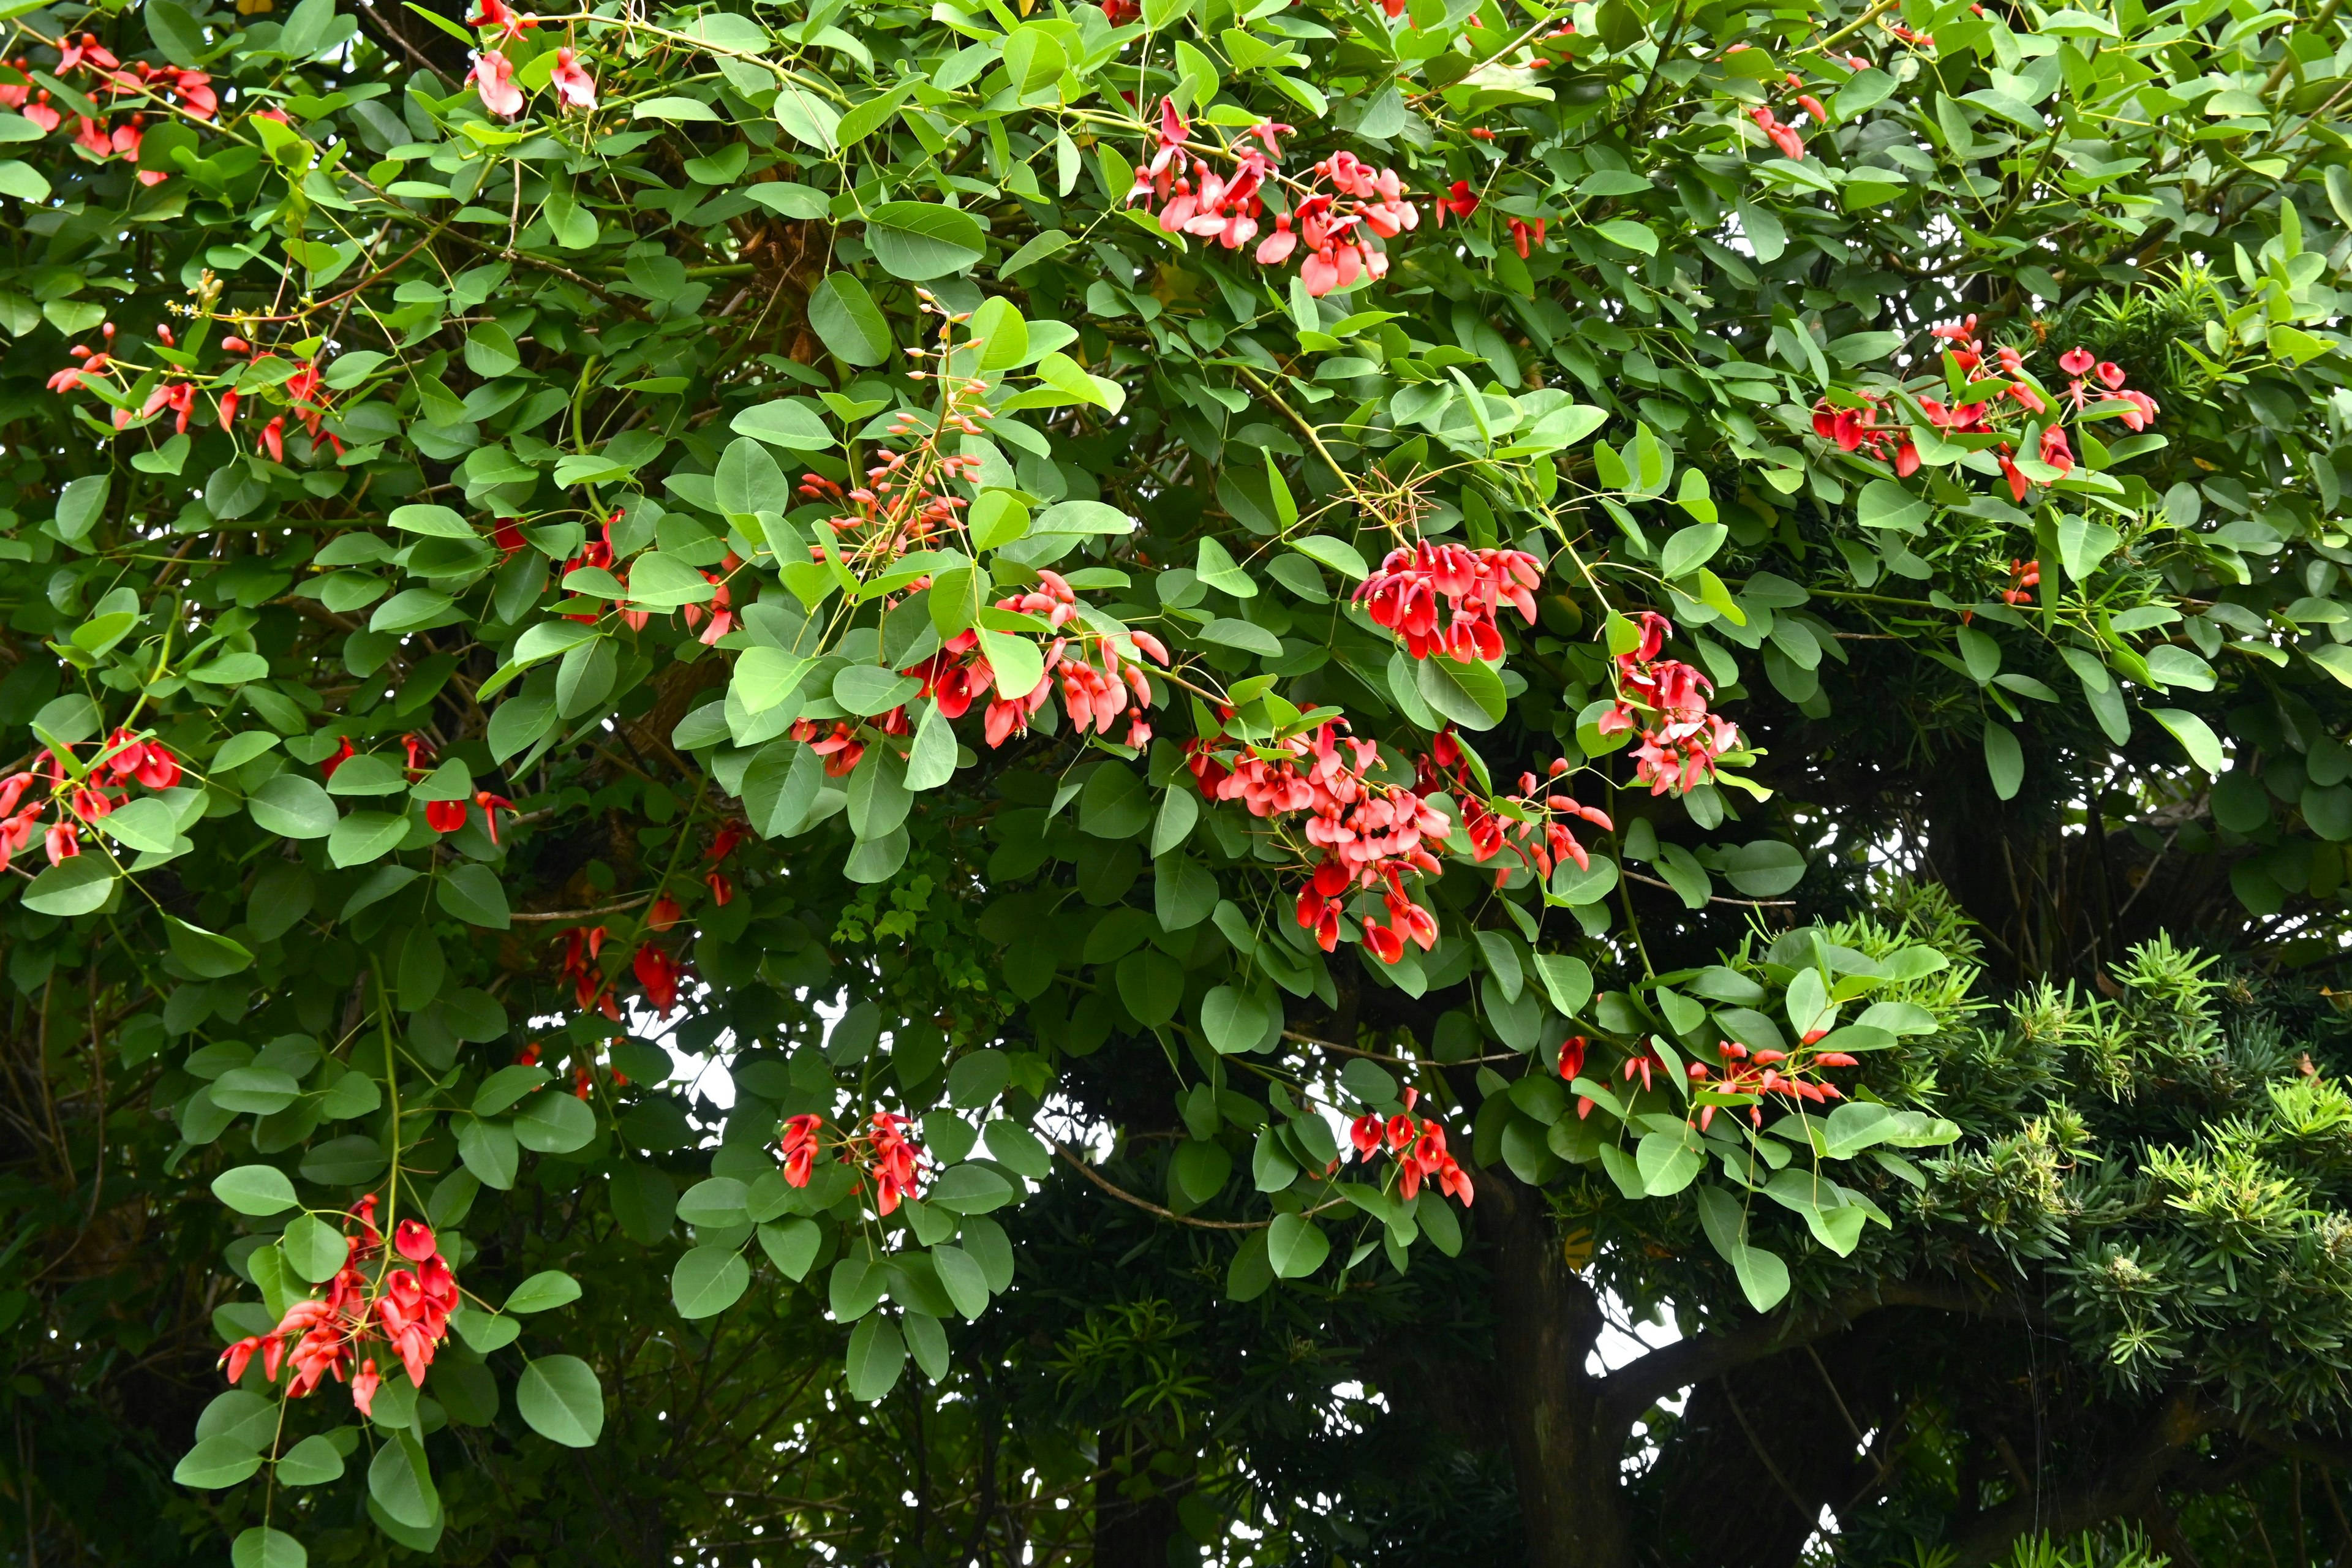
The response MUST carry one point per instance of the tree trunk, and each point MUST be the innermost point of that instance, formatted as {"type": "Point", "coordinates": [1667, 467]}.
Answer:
{"type": "Point", "coordinates": [1565, 1444]}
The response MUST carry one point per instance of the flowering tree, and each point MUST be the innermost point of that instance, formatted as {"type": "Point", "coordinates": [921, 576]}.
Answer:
{"type": "Point", "coordinates": [1440, 651]}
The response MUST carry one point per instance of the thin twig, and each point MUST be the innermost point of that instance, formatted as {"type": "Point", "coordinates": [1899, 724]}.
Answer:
{"type": "Point", "coordinates": [621, 908]}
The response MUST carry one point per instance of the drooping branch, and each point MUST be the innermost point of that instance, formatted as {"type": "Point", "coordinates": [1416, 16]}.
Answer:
{"type": "Point", "coordinates": [1633, 1389]}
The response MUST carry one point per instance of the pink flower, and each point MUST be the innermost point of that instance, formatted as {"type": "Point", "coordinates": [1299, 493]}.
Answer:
{"type": "Point", "coordinates": [1275, 247]}
{"type": "Point", "coordinates": [493, 77]}
{"type": "Point", "coordinates": [2075, 361]}
{"type": "Point", "coordinates": [573, 87]}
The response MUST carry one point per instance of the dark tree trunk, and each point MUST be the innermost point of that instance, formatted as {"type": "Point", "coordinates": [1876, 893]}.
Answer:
{"type": "Point", "coordinates": [1565, 1442]}
{"type": "Point", "coordinates": [1131, 1533]}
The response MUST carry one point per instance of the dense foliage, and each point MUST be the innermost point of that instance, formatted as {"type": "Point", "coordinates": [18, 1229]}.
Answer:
{"type": "Point", "coordinates": [1051, 781]}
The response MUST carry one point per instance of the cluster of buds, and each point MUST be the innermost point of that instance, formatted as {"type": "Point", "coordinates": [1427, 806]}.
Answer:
{"type": "Point", "coordinates": [1333, 227]}
{"type": "Point", "coordinates": [1666, 701]}
{"type": "Point", "coordinates": [1442, 598]}
{"type": "Point", "coordinates": [170, 87]}
{"type": "Point", "coordinates": [891, 1160]}
{"type": "Point", "coordinates": [123, 761]}
{"type": "Point", "coordinates": [1759, 1073]}
{"type": "Point", "coordinates": [323, 1337]}
{"type": "Point", "coordinates": [2024, 577]}
{"type": "Point", "coordinates": [493, 73]}
{"type": "Point", "coordinates": [1531, 825]}
{"type": "Point", "coordinates": [1417, 1146]}
{"type": "Point", "coordinates": [905, 502]}
{"type": "Point", "coordinates": [1101, 680]}
{"type": "Point", "coordinates": [1781, 135]}
{"type": "Point", "coordinates": [1365, 835]}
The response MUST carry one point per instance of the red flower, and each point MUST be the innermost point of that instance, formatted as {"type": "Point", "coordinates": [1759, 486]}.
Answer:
{"type": "Point", "coordinates": [800, 1148]}
{"type": "Point", "coordinates": [344, 753]}
{"type": "Point", "coordinates": [273, 439]}
{"type": "Point", "coordinates": [413, 1239]}
{"type": "Point", "coordinates": [722, 892]}
{"type": "Point", "coordinates": [1571, 1057]}
{"type": "Point", "coordinates": [2077, 361]}
{"type": "Point", "coordinates": [659, 974]}
{"type": "Point", "coordinates": [494, 13]}
{"type": "Point", "coordinates": [491, 805]}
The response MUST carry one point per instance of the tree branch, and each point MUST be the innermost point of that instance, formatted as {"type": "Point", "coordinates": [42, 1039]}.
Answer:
{"type": "Point", "coordinates": [2126, 1481]}
{"type": "Point", "coordinates": [1633, 1389]}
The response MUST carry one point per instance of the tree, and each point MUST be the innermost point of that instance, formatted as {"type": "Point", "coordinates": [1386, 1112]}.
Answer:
{"type": "Point", "coordinates": [703, 698]}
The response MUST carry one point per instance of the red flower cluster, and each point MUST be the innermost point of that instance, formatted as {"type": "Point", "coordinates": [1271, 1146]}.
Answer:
{"type": "Point", "coordinates": [1368, 834]}
{"type": "Point", "coordinates": [1331, 225]}
{"type": "Point", "coordinates": [120, 763]}
{"type": "Point", "coordinates": [1762, 1073]}
{"type": "Point", "coordinates": [493, 73]}
{"type": "Point", "coordinates": [1417, 1146]}
{"type": "Point", "coordinates": [2139, 409]}
{"type": "Point", "coordinates": [408, 1308]}
{"type": "Point", "coordinates": [590, 990]}
{"type": "Point", "coordinates": [1404, 597]}
{"type": "Point", "coordinates": [1666, 700]}
{"type": "Point", "coordinates": [887, 1155]}
{"type": "Point", "coordinates": [1099, 684]}
{"type": "Point", "coordinates": [1858, 430]}
{"type": "Point", "coordinates": [165, 86]}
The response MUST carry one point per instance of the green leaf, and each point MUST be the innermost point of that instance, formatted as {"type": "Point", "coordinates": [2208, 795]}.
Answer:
{"type": "Point", "coordinates": [1470, 694]}
{"type": "Point", "coordinates": [435, 522]}
{"type": "Point", "coordinates": [314, 1248]}
{"type": "Point", "coordinates": [402, 1485]}
{"type": "Point", "coordinates": [1691, 548]}
{"type": "Point", "coordinates": [876, 1356]}
{"type": "Point", "coordinates": [791, 424]}
{"type": "Point", "coordinates": [560, 1397]}
{"type": "Point", "coordinates": [848, 322]}
{"type": "Point", "coordinates": [474, 894]}
{"type": "Point", "coordinates": [554, 1124]}
{"type": "Point", "coordinates": [258, 1189]}
{"type": "Point", "coordinates": [312, 1462]}
{"type": "Point", "coordinates": [2196, 737]}
{"type": "Point", "coordinates": [1336, 553]}
{"type": "Point", "coordinates": [1296, 1246]}
{"type": "Point", "coordinates": [216, 1462]}
{"type": "Point", "coordinates": [543, 1292]}
{"type": "Point", "coordinates": [292, 807]}
{"type": "Point", "coordinates": [707, 1280]}
{"type": "Point", "coordinates": [918, 241]}
{"type": "Point", "coordinates": [2005, 760]}
{"type": "Point", "coordinates": [1567, 982]}
{"type": "Point", "coordinates": [76, 888]}
{"type": "Point", "coordinates": [1631, 234]}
